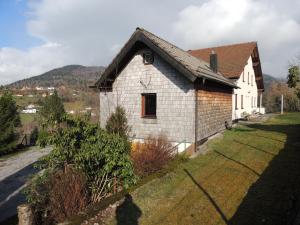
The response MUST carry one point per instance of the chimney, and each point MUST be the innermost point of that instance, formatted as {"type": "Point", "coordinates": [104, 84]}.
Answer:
{"type": "Point", "coordinates": [213, 61]}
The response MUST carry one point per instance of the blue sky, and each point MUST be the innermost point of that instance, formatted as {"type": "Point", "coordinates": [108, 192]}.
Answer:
{"type": "Point", "coordinates": [13, 25]}
{"type": "Point", "coordinates": [39, 35]}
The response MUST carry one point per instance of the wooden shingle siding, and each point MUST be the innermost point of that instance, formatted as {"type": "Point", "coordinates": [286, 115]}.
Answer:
{"type": "Point", "coordinates": [214, 107]}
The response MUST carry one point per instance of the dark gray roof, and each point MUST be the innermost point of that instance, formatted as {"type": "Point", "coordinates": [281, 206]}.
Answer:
{"type": "Point", "coordinates": [185, 63]}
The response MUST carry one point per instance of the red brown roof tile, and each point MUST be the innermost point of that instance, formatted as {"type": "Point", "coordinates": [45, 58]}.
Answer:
{"type": "Point", "coordinates": [231, 58]}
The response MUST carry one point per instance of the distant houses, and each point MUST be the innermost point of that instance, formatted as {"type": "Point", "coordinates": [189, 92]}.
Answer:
{"type": "Point", "coordinates": [30, 109]}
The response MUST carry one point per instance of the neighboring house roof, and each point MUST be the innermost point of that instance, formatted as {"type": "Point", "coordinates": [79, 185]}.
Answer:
{"type": "Point", "coordinates": [186, 64]}
{"type": "Point", "coordinates": [233, 58]}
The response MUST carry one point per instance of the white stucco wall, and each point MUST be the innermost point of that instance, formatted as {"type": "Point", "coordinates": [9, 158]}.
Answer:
{"type": "Point", "coordinates": [246, 89]}
{"type": "Point", "coordinates": [175, 100]}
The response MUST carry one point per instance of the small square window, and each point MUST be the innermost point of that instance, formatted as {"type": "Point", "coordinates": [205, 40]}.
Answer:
{"type": "Point", "coordinates": [149, 105]}
{"type": "Point", "coordinates": [148, 58]}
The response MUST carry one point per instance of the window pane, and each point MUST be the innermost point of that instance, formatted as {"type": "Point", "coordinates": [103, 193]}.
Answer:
{"type": "Point", "coordinates": [242, 101]}
{"type": "Point", "coordinates": [149, 104]}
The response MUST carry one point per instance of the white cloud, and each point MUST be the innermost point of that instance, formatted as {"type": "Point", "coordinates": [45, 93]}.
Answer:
{"type": "Point", "coordinates": [91, 32]}
{"type": "Point", "coordinates": [228, 21]}
{"type": "Point", "coordinates": [81, 32]}
{"type": "Point", "coordinates": [17, 64]}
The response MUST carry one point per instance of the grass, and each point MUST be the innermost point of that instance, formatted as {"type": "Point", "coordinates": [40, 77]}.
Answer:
{"type": "Point", "coordinates": [25, 100]}
{"type": "Point", "coordinates": [250, 176]}
{"type": "Point", "coordinates": [27, 118]}
{"type": "Point", "coordinates": [76, 106]}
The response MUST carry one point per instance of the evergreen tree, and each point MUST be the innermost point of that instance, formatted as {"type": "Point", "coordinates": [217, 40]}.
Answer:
{"type": "Point", "coordinates": [9, 121]}
{"type": "Point", "coordinates": [117, 123]}
{"type": "Point", "coordinates": [52, 109]}
{"type": "Point", "coordinates": [293, 79]}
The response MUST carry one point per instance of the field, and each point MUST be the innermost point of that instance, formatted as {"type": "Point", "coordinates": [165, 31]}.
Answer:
{"type": "Point", "coordinates": [27, 118]}
{"type": "Point", "coordinates": [250, 176]}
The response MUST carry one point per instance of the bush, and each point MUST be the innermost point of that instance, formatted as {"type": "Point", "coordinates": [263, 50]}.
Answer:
{"type": "Point", "coordinates": [34, 136]}
{"type": "Point", "coordinates": [37, 195]}
{"type": "Point", "coordinates": [93, 150]}
{"type": "Point", "coordinates": [68, 194]}
{"type": "Point", "coordinates": [103, 159]}
{"type": "Point", "coordinates": [9, 121]}
{"type": "Point", "coordinates": [152, 155]}
{"type": "Point", "coordinates": [89, 148]}
{"type": "Point", "coordinates": [42, 139]}
{"type": "Point", "coordinates": [117, 123]}
{"type": "Point", "coordinates": [56, 195]}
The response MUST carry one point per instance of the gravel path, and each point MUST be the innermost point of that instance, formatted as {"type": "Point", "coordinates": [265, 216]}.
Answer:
{"type": "Point", "coordinates": [14, 172]}
{"type": "Point", "coordinates": [15, 163]}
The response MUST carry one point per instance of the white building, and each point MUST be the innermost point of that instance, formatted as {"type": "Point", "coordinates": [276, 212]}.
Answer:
{"type": "Point", "coordinates": [29, 111]}
{"type": "Point", "coordinates": [241, 63]}
{"type": "Point", "coordinates": [39, 88]}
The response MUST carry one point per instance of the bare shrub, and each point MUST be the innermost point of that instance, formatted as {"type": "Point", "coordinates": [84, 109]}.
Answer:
{"type": "Point", "coordinates": [68, 194]}
{"type": "Point", "coordinates": [101, 187]}
{"type": "Point", "coordinates": [152, 155]}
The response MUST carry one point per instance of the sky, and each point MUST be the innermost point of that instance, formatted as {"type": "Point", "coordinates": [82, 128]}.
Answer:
{"type": "Point", "coordinates": [39, 35]}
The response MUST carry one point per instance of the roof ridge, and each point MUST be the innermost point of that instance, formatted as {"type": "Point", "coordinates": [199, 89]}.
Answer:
{"type": "Point", "coordinates": [144, 30]}
{"type": "Point", "coordinates": [205, 65]}
{"type": "Point", "coordinates": [187, 64]}
{"type": "Point", "coordinates": [227, 45]}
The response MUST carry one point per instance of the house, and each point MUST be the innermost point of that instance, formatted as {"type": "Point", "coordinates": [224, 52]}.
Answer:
{"type": "Point", "coordinates": [30, 109]}
{"type": "Point", "coordinates": [39, 88]}
{"type": "Point", "coordinates": [166, 90]}
{"type": "Point", "coordinates": [241, 64]}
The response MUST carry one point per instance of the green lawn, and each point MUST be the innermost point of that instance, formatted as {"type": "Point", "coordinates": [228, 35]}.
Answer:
{"type": "Point", "coordinates": [250, 176]}
{"type": "Point", "coordinates": [27, 118]}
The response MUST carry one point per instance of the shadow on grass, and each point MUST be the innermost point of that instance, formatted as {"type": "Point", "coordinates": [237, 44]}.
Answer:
{"type": "Point", "coordinates": [254, 148]}
{"type": "Point", "coordinates": [128, 213]}
{"type": "Point", "coordinates": [274, 198]}
{"type": "Point", "coordinates": [240, 163]}
{"type": "Point", "coordinates": [208, 196]}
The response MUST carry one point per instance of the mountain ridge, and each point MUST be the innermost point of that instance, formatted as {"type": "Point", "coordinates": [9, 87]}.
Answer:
{"type": "Point", "coordinates": [76, 76]}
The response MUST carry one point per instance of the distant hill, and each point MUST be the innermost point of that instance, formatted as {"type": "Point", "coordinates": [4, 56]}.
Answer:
{"type": "Point", "coordinates": [268, 79]}
{"type": "Point", "coordinates": [78, 76]}
{"type": "Point", "coordinates": [75, 76]}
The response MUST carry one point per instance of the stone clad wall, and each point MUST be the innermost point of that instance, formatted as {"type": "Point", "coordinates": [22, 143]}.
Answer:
{"type": "Point", "coordinates": [213, 109]}
{"type": "Point", "coordinates": [175, 100]}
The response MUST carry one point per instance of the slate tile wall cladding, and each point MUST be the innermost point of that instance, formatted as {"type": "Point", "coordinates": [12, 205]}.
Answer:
{"type": "Point", "coordinates": [214, 108]}
{"type": "Point", "coordinates": [175, 100]}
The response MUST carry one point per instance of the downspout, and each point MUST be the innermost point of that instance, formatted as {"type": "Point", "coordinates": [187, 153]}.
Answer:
{"type": "Point", "coordinates": [196, 117]}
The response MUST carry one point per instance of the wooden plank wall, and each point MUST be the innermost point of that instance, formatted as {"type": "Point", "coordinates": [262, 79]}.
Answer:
{"type": "Point", "coordinates": [214, 107]}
